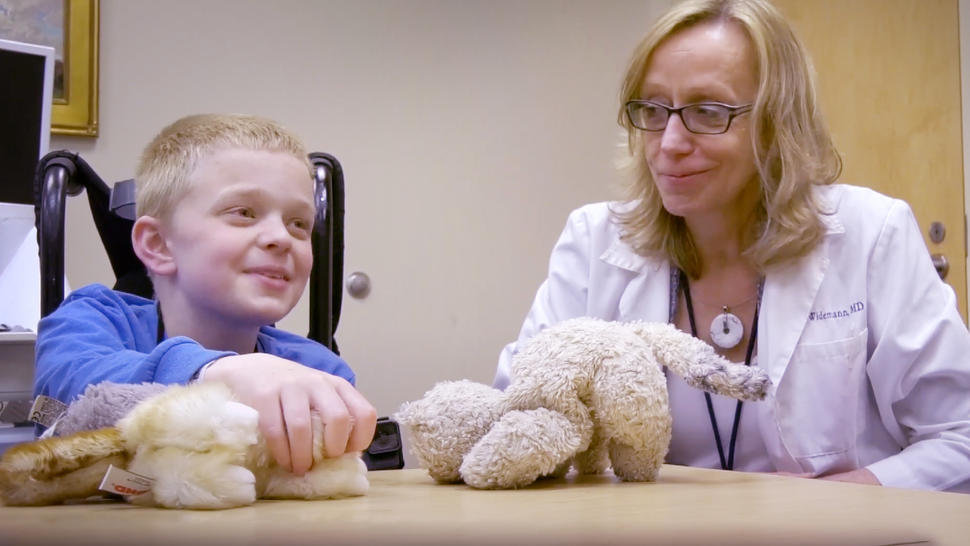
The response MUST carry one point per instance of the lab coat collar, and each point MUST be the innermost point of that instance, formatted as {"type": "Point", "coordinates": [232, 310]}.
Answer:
{"type": "Point", "coordinates": [619, 254]}
{"type": "Point", "coordinates": [643, 278]}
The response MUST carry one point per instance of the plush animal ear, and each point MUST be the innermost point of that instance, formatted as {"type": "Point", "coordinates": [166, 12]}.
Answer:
{"type": "Point", "coordinates": [151, 247]}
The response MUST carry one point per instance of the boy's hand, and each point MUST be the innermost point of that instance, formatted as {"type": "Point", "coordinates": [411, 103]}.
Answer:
{"type": "Point", "coordinates": [284, 392]}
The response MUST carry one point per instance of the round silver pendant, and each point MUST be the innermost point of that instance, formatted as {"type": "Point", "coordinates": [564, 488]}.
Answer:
{"type": "Point", "coordinates": [726, 330]}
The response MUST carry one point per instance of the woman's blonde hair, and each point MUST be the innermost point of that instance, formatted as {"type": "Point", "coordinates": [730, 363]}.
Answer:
{"type": "Point", "coordinates": [792, 145]}
{"type": "Point", "coordinates": [167, 164]}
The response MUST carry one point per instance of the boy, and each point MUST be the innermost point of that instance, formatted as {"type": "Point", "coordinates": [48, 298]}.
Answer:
{"type": "Point", "coordinates": [225, 208]}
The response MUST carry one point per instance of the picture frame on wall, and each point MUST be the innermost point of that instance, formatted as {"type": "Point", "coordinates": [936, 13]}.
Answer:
{"type": "Point", "coordinates": [75, 111]}
{"type": "Point", "coordinates": [71, 28]}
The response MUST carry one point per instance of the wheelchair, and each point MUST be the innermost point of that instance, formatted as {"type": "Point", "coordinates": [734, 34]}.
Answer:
{"type": "Point", "coordinates": [63, 173]}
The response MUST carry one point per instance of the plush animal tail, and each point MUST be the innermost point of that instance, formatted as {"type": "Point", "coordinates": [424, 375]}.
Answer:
{"type": "Point", "coordinates": [699, 365]}
{"type": "Point", "coordinates": [53, 470]}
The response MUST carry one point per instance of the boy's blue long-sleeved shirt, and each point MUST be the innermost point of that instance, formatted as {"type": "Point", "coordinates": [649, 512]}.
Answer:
{"type": "Point", "coordinates": [99, 334]}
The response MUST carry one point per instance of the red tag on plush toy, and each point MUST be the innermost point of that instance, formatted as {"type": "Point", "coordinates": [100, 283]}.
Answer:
{"type": "Point", "coordinates": [122, 482]}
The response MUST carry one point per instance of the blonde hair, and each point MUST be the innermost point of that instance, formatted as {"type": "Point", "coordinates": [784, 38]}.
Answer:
{"type": "Point", "coordinates": [166, 166]}
{"type": "Point", "coordinates": [792, 145]}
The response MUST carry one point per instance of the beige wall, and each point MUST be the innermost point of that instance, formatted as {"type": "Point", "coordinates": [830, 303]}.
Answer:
{"type": "Point", "coordinates": [467, 131]}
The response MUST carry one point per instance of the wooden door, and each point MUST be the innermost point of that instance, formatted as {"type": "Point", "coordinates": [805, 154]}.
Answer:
{"type": "Point", "coordinates": [889, 85]}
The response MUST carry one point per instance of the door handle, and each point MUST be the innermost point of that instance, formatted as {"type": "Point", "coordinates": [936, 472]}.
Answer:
{"type": "Point", "coordinates": [941, 264]}
{"type": "Point", "coordinates": [358, 285]}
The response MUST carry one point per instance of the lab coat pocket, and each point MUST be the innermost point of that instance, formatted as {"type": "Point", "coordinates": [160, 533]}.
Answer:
{"type": "Point", "coordinates": [817, 400]}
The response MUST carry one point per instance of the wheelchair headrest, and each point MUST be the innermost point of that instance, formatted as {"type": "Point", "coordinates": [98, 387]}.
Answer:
{"type": "Point", "coordinates": [122, 200]}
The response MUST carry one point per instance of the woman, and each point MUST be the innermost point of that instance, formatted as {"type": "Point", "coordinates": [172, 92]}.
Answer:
{"type": "Point", "coordinates": [735, 232]}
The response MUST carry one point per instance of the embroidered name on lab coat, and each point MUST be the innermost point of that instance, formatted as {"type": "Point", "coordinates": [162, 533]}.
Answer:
{"type": "Point", "coordinates": [840, 313]}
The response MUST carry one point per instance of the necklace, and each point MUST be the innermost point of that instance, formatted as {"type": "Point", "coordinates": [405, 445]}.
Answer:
{"type": "Point", "coordinates": [728, 462]}
{"type": "Point", "coordinates": [727, 330]}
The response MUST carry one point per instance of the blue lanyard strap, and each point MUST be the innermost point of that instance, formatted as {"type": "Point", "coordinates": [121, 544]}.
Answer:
{"type": "Point", "coordinates": [679, 278]}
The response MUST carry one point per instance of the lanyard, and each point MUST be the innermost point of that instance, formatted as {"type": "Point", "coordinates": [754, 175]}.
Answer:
{"type": "Point", "coordinates": [726, 464]}
{"type": "Point", "coordinates": [160, 336]}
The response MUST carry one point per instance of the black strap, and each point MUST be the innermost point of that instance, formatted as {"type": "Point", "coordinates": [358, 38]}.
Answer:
{"type": "Point", "coordinates": [727, 464]}
{"type": "Point", "coordinates": [160, 336]}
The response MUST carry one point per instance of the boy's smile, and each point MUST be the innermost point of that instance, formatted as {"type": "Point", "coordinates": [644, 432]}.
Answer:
{"type": "Point", "coordinates": [240, 240]}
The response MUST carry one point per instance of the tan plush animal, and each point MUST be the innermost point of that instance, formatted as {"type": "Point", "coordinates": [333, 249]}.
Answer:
{"type": "Point", "coordinates": [201, 448]}
{"type": "Point", "coordinates": [585, 393]}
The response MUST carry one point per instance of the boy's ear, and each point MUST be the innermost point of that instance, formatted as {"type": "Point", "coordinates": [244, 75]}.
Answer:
{"type": "Point", "coordinates": [150, 246]}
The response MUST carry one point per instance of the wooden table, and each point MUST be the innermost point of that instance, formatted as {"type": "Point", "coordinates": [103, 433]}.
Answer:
{"type": "Point", "coordinates": [686, 506]}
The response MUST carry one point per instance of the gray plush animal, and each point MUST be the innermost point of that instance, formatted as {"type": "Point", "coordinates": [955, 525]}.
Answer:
{"type": "Point", "coordinates": [102, 405]}
{"type": "Point", "coordinates": [585, 393]}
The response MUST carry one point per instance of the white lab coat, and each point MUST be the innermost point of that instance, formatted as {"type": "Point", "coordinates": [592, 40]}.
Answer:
{"type": "Point", "coordinates": [868, 354]}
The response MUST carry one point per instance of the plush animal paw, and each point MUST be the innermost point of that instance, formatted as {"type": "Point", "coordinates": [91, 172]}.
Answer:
{"type": "Point", "coordinates": [211, 479]}
{"type": "Point", "coordinates": [520, 448]}
{"type": "Point", "coordinates": [344, 476]}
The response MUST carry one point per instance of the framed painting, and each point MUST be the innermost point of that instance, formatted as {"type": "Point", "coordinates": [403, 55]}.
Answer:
{"type": "Point", "coordinates": [71, 28]}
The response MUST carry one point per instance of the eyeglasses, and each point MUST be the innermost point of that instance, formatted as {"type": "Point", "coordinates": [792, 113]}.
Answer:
{"type": "Point", "coordinates": [703, 118]}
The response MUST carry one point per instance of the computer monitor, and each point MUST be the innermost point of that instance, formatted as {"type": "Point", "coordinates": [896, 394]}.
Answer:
{"type": "Point", "coordinates": [26, 92]}
{"type": "Point", "coordinates": [26, 95]}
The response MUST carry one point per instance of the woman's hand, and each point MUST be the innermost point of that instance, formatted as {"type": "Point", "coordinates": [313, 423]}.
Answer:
{"type": "Point", "coordinates": [284, 393]}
